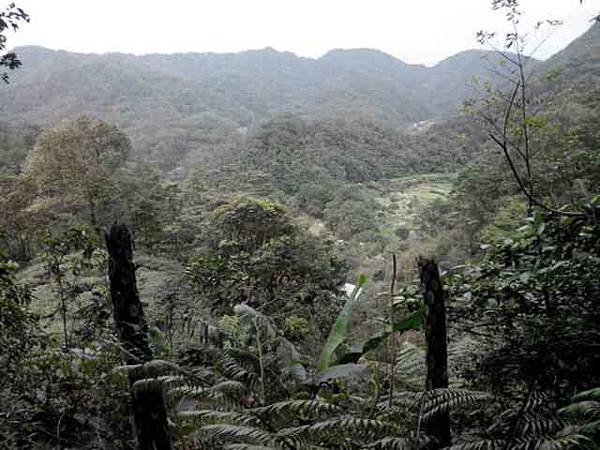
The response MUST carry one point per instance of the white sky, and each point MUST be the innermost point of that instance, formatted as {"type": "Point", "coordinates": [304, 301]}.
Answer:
{"type": "Point", "coordinates": [416, 31]}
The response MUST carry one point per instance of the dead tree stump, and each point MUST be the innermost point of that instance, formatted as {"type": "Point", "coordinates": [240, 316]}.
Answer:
{"type": "Point", "coordinates": [149, 411]}
{"type": "Point", "coordinates": [437, 347]}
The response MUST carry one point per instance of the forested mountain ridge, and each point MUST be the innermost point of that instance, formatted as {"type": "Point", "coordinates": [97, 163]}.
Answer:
{"type": "Point", "coordinates": [171, 105]}
{"type": "Point", "coordinates": [249, 85]}
{"type": "Point", "coordinates": [185, 109]}
{"type": "Point", "coordinates": [202, 105]}
{"type": "Point", "coordinates": [578, 77]}
{"type": "Point", "coordinates": [582, 52]}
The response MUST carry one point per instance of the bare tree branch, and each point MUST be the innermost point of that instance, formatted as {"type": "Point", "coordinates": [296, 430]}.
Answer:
{"type": "Point", "coordinates": [532, 199]}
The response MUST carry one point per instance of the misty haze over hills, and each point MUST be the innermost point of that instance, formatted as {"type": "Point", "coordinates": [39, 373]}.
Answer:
{"type": "Point", "coordinates": [246, 86]}
{"type": "Point", "coordinates": [177, 103]}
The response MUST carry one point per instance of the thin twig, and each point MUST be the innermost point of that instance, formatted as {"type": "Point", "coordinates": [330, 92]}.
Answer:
{"type": "Point", "coordinates": [524, 189]}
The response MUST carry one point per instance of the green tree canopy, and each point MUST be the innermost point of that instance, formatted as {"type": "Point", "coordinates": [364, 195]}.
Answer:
{"type": "Point", "coordinates": [254, 254]}
{"type": "Point", "coordinates": [76, 164]}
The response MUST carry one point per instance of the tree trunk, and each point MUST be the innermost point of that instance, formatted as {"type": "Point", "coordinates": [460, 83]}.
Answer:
{"type": "Point", "coordinates": [149, 410]}
{"type": "Point", "coordinates": [437, 351]}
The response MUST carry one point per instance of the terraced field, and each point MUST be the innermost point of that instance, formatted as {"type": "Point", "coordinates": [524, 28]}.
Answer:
{"type": "Point", "coordinates": [399, 201]}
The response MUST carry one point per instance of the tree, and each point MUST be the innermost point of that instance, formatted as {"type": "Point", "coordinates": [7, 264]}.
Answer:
{"type": "Point", "coordinates": [76, 165]}
{"type": "Point", "coordinates": [515, 115]}
{"type": "Point", "coordinates": [152, 207]}
{"type": "Point", "coordinates": [349, 213]}
{"type": "Point", "coordinates": [17, 330]}
{"type": "Point", "coordinates": [531, 306]}
{"type": "Point", "coordinates": [253, 254]}
{"type": "Point", "coordinates": [10, 18]}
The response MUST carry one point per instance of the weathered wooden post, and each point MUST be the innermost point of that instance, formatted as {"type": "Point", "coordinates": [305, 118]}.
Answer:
{"type": "Point", "coordinates": [437, 350]}
{"type": "Point", "coordinates": [149, 412]}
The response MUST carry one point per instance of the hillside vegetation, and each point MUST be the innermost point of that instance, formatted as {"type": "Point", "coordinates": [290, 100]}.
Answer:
{"type": "Point", "coordinates": [257, 251]}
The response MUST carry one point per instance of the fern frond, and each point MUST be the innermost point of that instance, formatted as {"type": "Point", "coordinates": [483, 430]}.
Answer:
{"type": "Point", "coordinates": [403, 399]}
{"type": "Point", "coordinates": [537, 400]}
{"type": "Point", "coordinates": [205, 396]}
{"type": "Point", "coordinates": [249, 447]}
{"type": "Point", "coordinates": [588, 429]}
{"type": "Point", "coordinates": [225, 394]}
{"type": "Point", "coordinates": [241, 355]}
{"type": "Point", "coordinates": [230, 387]}
{"type": "Point", "coordinates": [212, 417]}
{"type": "Point", "coordinates": [385, 411]}
{"type": "Point", "coordinates": [153, 369]}
{"type": "Point", "coordinates": [441, 400]}
{"type": "Point", "coordinates": [245, 434]}
{"type": "Point", "coordinates": [545, 442]}
{"type": "Point", "coordinates": [189, 392]}
{"type": "Point", "coordinates": [338, 429]}
{"type": "Point", "coordinates": [484, 444]}
{"type": "Point", "coordinates": [568, 442]}
{"type": "Point", "coordinates": [171, 381]}
{"type": "Point", "coordinates": [239, 365]}
{"type": "Point", "coordinates": [297, 408]}
{"type": "Point", "coordinates": [392, 443]}
{"type": "Point", "coordinates": [410, 360]}
{"type": "Point", "coordinates": [536, 424]}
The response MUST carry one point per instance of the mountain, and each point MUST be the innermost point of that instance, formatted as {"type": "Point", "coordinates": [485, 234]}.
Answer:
{"type": "Point", "coordinates": [176, 104]}
{"type": "Point", "coordinates": [581, 56]}
{"type": "Point", "coordinates": [571, 79]}
{"type": "Point", "coordinates": [240, 87]}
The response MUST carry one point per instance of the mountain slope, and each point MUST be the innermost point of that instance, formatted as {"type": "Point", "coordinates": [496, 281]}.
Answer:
{"type": "Point", "coordinates": [203, 104]}
{"type": "Point", "coordinates": [241, 87]}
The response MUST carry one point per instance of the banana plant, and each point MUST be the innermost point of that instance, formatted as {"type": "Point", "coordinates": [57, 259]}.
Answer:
{"type": "Point", "coordinates": [339, 330]}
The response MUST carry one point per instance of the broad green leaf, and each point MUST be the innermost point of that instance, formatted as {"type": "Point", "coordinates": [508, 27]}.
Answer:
{"type": "Point", "coordinates": [413, 321]}
{"type": "Point", "coordinates": [339, 330]}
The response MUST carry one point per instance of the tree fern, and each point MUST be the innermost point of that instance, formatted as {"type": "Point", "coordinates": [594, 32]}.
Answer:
{"type": "Point", "coordinates": [540, 426]}
{"type": "Point", "coordinates": [249, 447]}
{"type": "Point", "coordinates": [339, 429]}
{"type": "Point", "coordinates": [239, 365]}
{"type": "Point", "coordinates": [213, 417]}
{"type": "Point", "coordinates": [395, 443]}
{"type": "Point", "coordinates": [291, 409]}
{"type": "Point", "coordinates": [238, 433]}
{"type": "Point", "coordinates": [215, 396]}
{"type": "Point", "coordinates": [436, 401]}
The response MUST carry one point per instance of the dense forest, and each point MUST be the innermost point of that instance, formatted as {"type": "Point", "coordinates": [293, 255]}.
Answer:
{"type": "Point", "coordinates": [262, 251]}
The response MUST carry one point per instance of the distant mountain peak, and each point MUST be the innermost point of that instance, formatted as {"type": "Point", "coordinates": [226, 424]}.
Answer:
{"type": "Point", "coordinates": [246, 87]}
{"type": "Point", "coordinates": [364, 51]}
{"type": "Point", "coordinates": [362, 54]}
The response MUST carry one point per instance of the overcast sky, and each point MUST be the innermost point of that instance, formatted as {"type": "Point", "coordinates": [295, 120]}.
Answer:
{"type": "Point", "coordinates": [416, 31]}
